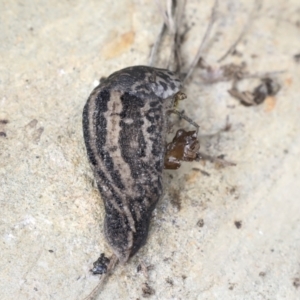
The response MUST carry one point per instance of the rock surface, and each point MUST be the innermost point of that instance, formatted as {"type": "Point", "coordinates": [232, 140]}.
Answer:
{"type": "Point", "coordinates": [234, 234]}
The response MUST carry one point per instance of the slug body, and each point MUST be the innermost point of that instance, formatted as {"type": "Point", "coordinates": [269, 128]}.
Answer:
{"type": "Point", "coordinates": [124, 128]}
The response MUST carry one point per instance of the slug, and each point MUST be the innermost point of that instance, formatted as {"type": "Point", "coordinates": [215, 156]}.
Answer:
{"type": "Point", "coordinates": [124, 127]}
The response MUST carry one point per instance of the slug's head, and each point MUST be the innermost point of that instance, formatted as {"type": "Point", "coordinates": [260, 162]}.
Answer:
{"type": "Point", "coordinates": [143, 81]}
{"type": "Point", "coordinates": [164, 83]}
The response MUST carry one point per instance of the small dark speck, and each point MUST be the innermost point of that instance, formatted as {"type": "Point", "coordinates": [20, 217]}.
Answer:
{"type": "Point", "coordinates": [232, 190]}
{"type": "Point", "coordinates": [231, 286]}
{"type": "Point", "coordinates": [170, 281]}
{"type": "Point", "coordinates": [296, 282]}
{"type": "Point", "coordinates": [37, 157]}
{"type": "Point", "coordinates": [139, 268]}
{"type": "Point", "coordinates": [150, 267]}
{"type": "Point", "coordinates": [272, 250]}
{"type": "Point", "coordinates": [51, 251]}
{"type": "Point", "coordinates": [227, 127]}
{"type": "Point", "coordinates": [200, 223]}
{"type": "Point", "coordinates": [147, 290]}
{"type": "Point", "coordinates": [238, 224]}
{"type": "Point", "coordinates": [3, 122]}
{"type": "Point", "coordinates": [297, 58]}
{"type": "Point", "coordinates": [285, 151]}
{"type": "Point", "coordinates": [113, 149]}
{"type": "Point", "coordinates": [196, 169]}
{"type": "Point", "coordinates": [35, 289]}
{"type": "Point", "coordinates": [2, 134]}
{"type": "Point", "coordinates": [32, 123]}
{"type": "Point", "coordinates": [201, 171]}
{"type": "Point", "coordinates": [237, 53]}
{"type": "Point", "coordinates": [262, 274]}
{"type": "Point", "coordinates": [30, 28]}
{"type": "Point", "coordinates": [183, 277]}
{"type": "Point", "coordinates": [175, 198]}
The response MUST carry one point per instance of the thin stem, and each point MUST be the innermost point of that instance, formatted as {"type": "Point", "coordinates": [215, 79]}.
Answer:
{"type": "Point", "coordinates": [95, 292]}
{"type": "Point", "coordinates": [183, 116]}
{"type": "Point", "coordinates": [242, 34]}
{"type": "Point", "coordinates": [156, 45]}
{"type": "Point", "coordinates": [207, 33]}
{"type": "Point", "coordinates": [263, 74]}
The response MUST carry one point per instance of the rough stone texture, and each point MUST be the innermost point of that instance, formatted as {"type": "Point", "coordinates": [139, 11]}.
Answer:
{"type": "Point", "coordinates": [232, 235]}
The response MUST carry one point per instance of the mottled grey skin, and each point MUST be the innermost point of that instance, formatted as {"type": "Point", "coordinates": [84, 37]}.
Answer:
{"type": "Point", "coordinates": [124, 127]}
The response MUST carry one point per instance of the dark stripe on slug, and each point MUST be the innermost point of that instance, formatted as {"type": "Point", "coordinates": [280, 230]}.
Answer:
{"type": "Point", "coordinates": [152, 113]}
{"type": "Point", "coordinates": [102, 181]}
{"type": "Point", "coordinates": [86, 134]}
{"type": "Point", "coordinates": [172, 85]}
{"type": "Point", "coordinates": [164, 85]}
{"type": "Point", "coordinates": [131, 140]}
{"type": "Point", "coordinates": [166, 77]}
{"type": "Point", "coordinates": [141, 225]}
{"type": "Point", "coordinates": [107, 189]}
{"type": "Point", "coordinates": [117, 231]}
{"type": "Point", "coordinates": [154, 103]}
{"type": "Point", "coordinates": [142, 149]}
{"type": "Point", "coordinates": [143, 88]}
{"type": "Point", "coordinates": [155, 117]}
{"type": "Point", "coordinates": [100, 121]}
{"type": "Point", "coordinates": [156, 149]}
{"type": "Point", "coordinates": [151, 129]}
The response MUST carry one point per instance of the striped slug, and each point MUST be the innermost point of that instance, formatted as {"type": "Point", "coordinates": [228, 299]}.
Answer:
{"type": "Point", "coordinates": [124, 128]}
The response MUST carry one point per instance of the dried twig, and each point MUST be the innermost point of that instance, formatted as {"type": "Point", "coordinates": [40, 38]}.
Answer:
{"type": "Point", "coordinates": [184, 117]}
{"type": "Point", "coordinates": [263, 74]}
{"type": "Point", "coordinates": [168, 24]}
{"type": "Point", "coordinates": [172, 16]}
{"type": "Point", "coordinates": [163, 13]}
{"type": "Point", "coordinates": [218, 160]}
{"type": "Point", "coordinates": [207, 33]}
{"type": "Point", "coordinates": [156, 45]}
{"type": "Point", "coordinates": [244, 31]}
{"type": "Point", "coordinates": [175, 47]}
{"type": "Point", "coordinates": [95, 292]}
{"type": "Point", "coordinates": [172, 10]}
